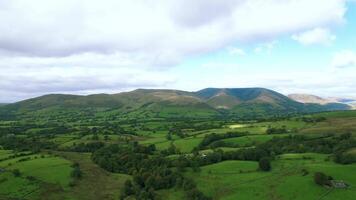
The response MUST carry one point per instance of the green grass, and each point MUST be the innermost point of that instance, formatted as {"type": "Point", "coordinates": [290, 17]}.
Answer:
{"type": "Point", "coordinates": [251, 140]}
{"type": "Point", "coordinates": [241, 180]}
{"type": "Point", "coordinates": [337, 114]}
{"type": "Point", "coordinates": [17, 187]}
{"type": "Point", "coordinates": [96, 183]}
{"type": "Point", "coordinates": [333, 125]}
{"type": "Point", "coordinates": [49, 173]}
{"type": "Point", "coordinates": [171, 194]}
{"type": "Point", "coordinates": [50, 169]}
{"type": "Point", "coordinates": [5, 154]}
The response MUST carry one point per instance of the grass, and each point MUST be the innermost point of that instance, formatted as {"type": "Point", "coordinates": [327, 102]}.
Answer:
{"type": "Point", "coordinates": [333, 125]}
{"type": "Point", "coordinates": [17, 187]}
{"type": "Point", "coordinates": [251, 140]}
{"type": "Point", "coordinates": [48, 172]}
{"type": "Point", "coordinates": [241, 180]}
{"type": "Point", "coordinates": [96, 183]}
{"type": "Point", "coordinates": [171, 194]}
{"type": "Point", "coordinates": [49, 169]}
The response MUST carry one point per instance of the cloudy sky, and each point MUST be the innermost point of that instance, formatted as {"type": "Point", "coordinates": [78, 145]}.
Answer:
{"type": "Point", "coordinates": [108, 46]}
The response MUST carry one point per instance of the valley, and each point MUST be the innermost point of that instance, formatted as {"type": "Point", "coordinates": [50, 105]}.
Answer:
{"type": "Point", "coordinates": [176, 151]}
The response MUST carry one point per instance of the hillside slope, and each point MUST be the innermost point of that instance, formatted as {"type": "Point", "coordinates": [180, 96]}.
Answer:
{"type": "Point", "coordinates": [152, 103]}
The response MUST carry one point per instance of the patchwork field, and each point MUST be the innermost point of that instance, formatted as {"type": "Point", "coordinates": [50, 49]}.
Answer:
{"type": "Point", "coordinates": [221, 159]}
{"type": "Point", "coordinates": [243, 179]}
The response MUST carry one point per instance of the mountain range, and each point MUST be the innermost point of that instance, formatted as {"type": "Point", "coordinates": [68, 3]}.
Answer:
{"type": "Point", "coordinates": [164, 103]}
{"type": "Point", "coordinates": [308, 98]}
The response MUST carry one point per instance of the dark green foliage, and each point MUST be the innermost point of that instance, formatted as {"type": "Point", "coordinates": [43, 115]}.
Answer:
{"type": "Point", "coordinates": [313, 119]}
{"type": "Point", "coordinates": [25, 143]}
{"type": "Point", "coordinates": [86, 147]}
{"type": "Point", "coordinates": [208, 139]}
{"type": "Point", "coordinates": [76, 172]}
{"type": "Point", "coordinates": [322, 179]}
{"type": "Point", "coordinates": [16, 172]}
{"type": "Point", "coordinates": [150, 171]}
{"type": "Point", "coordinates": [272, 130]}
{"type": "Point", "coordinates": [344, 157]}
{"type": "Point", "coordinates": [264, 164]}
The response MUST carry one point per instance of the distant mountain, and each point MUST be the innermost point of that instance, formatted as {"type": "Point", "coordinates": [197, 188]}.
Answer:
{"type": "Point", "coordinates": [308, 98]}
{"type": "Point", "coordinates": [153, 103]}
{"type": "Point", "coordinates": [332, 103]}
{"type": "Point", "coordinates": [342, 100]}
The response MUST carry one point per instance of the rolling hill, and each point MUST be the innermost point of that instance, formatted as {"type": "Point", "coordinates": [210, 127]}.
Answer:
{"type": "Point", "coordinates": [157, 103]}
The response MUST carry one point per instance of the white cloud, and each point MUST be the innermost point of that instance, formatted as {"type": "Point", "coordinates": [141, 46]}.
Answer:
{"type": "Point", "coordinates": [315, 36]}
{"type": "Point", "coordinates": [266, 47]}
{"type": "Point", "coordinates": [88, 45]}
{"type": "Point", "coordinates": [344, 59]}
{"type": "Point", "coordinates": [233, 51]}
{"type": "Point", "coordinates": [24, 77]}
{"type": "Point", "coordinates": [174, 27]}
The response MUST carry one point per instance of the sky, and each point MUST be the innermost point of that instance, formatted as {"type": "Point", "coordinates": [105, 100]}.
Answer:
{"type": "Point", "coordinates": [109, 46]}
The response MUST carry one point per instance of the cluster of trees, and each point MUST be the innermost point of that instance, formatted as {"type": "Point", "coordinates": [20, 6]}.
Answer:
{"type": "Point", "coordinates": [343, 157]}
{"type": "Point", "coordinates": [273, 130]}
{"type": "Point", "coordinates": [322, 179]}
{"type": "Point", "coordinates": [313, 119]}
{"type": "Point", "coordinates": [264, 164]}
{"type": "Point", "coordinates": [86, 147]}
{"type": "Point", "coordinates": [268, 150]}
{"type": "Point", "coordinates": [177, 132]}
{"type": "Point", "coordinates": [76, 172]}
{"type": "Point", "coordinates": [150, 171]}
{"type": "Point", "coordinates": [33, 144]}
{"type": "Point", "coordinates": [209, 139]}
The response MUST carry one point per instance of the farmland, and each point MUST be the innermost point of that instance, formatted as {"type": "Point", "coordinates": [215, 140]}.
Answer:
{"type": "Point", "coordinates": [219, 158]}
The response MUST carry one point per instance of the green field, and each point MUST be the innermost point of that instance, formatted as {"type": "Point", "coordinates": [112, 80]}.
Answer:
{"type": "Point", "coordinates": [243, 180]}
{"type": "Point", "coordinates": [46, 171]}
{"type": "Point", "coordinates": [39, 173]}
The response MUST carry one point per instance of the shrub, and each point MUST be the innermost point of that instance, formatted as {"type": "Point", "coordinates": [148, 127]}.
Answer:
{"type": "Point", "coordinates": [16, 172]}
{"type": "Point", "coordinates": [322, 179]}
{"type": "Point", "coordinates": [264, 164]}
{"type": "Point", "coordinates": [76, 173]}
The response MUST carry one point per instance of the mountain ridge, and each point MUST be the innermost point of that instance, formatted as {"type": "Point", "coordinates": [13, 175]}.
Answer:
{"type": "Point", "coordinates": [146, 103]}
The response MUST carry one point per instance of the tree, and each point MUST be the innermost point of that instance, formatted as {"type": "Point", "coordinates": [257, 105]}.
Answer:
{"type": "Point", "coordinates": [128, 190]}
{"type": "Point", "coordinates": [321, 179]}
{"type": "Point", "coordinates": [16, 172]}
{"type": "Point", "coordinates": [76, 173]}
{"type": "Point", "coordinates": [106, 138]}
{"type": "Point", "coordinates": [264, 164]}
{"type": "Point", "coordinates": [169, 136]}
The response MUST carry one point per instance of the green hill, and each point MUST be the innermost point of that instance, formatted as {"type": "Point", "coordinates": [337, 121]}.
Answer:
{"type": "Point", "coordinates": [152, 103]}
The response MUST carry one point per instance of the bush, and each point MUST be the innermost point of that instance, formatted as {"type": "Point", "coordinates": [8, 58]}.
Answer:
{"type": "Point", "coordinates": [16, 172]}
{"type": "Point", "coordinates": [322, 179]}
{"type": "Point", "coordinates": [76, 173]}
{"type": "Point", "coordinates": [264, 164]}
{"type": "Point", "coordinates": [71, 184]}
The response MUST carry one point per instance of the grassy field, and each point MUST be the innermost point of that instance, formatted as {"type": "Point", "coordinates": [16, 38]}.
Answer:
{"type": "Point", "coordinates": [242, 180]}
{"type": "Point", "coordinates": [39, 173]}
{"type": "Point", "coordinates": [251, 140]}
{"type": "Point", "coordinates": [46, 175]}
{"type": "Point", "coordinates": [96, 183]}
